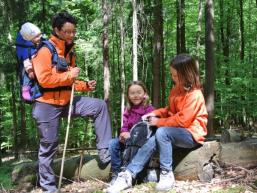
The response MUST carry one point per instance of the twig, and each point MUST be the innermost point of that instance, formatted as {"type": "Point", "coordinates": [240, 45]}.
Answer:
{"type": "Point", "coordinates": [239, 167]}
{"type": "Point", "coordinates": [220, 182]}
{"type": "Point", "coordinates": [80, 164]}
{"type": "Point", "coordinates": [98, 180]}
{"type": "Point", "coordinates": [2, 188]}
{"type": "Point", "coordinates": [65, 178]}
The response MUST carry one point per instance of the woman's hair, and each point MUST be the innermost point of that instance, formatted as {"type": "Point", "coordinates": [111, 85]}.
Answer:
{"type": "Point", "coordinates": [139, 83]}
{"type": "Point", "coordinates": [187, 70]}
{"type": "Point", "coordinates": [61, 18]}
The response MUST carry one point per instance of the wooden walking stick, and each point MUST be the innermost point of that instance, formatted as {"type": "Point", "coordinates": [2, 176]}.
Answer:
{"type": "Point", "coordinates": [66, 137]}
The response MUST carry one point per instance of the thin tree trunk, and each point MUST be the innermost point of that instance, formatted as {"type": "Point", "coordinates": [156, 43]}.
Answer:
{"type": "Point", "coordinates": [158, 52]}
{"type": "Point", "coordinates": [43, 16]}
{"type": "Point", "coordinates": [122, 60]}
{"type": "Point", "coordinates": [14, 117]}
{"type": "Point", "coordinates": [183, 27]}
{"type": "Point", "coordinates": [23, 132]}
{"type": "Point", "coordinates": [178, 31]}
{"type": "Point", "coordinates": [209, 57]}
{"type": "Point", "coordinates": [181, 42]}
{"type": "Point", "coordinates": [105, 10]}
{"type": "Point", "coordinates": [242, 45]}
{"type": "Point", "coordinates": [1, 128]}
{"type": "Point", "coordinates": [135, 39]}
{"type": "Point", "coordinates": [199, 27]}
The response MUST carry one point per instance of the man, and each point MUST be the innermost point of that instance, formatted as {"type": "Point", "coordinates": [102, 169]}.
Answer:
{"type": "Point", "coordinates": [57, 81]}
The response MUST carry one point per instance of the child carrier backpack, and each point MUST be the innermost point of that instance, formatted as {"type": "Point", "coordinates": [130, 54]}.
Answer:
{"type": "Point", "coordinates": [139, 134]}
{"type": "Point", "coordinates": [25, 50]}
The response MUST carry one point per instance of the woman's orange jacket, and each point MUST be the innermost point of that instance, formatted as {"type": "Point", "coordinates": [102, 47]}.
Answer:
{"type": "Point", "coordinates": [186, 110]}
{"type": "Point", "coordinates": [48, 77]}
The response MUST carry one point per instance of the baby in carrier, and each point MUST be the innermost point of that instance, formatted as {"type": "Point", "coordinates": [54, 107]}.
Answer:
{"type": "Point", "coordinates": [27, 41]}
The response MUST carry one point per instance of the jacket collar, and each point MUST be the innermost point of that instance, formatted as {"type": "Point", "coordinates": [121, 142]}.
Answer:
{"type": "Point", "coordinates": [60, 45]}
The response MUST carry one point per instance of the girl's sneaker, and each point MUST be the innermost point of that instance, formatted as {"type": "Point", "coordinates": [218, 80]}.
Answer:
{"type": "Point", "coordinates": [123, 181]}
{"type": "Point", "coordinates": [167, 181]}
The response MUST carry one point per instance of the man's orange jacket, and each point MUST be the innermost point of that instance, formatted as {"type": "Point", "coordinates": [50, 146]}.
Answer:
{"type": "Point", "coordinates": [49, 77]}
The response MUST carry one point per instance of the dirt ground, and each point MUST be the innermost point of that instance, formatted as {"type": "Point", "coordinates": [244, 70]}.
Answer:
{"type": "Point", "coordinates": [229, 180]}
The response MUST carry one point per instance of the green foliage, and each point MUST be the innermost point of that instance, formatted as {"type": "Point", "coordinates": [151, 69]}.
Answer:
{"type": "Point", "coordinates": [5, 175]}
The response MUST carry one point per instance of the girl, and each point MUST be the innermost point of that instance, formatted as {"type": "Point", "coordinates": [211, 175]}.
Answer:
{"type": "Point", "coordinates": [138, 105]}
{"type": "Point", "coordinates": [181, 124]}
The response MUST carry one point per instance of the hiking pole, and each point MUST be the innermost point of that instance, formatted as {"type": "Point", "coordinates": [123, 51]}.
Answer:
{"type": "Point", "coordinates": [66, 137]}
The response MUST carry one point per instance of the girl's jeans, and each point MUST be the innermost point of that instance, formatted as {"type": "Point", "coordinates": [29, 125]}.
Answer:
{"type": "Point", "coordinates": [116, 148]}
{"type": "Point", "coordinates": [169, 137]}
{"type": "Point", "coordinates": [142, 157]}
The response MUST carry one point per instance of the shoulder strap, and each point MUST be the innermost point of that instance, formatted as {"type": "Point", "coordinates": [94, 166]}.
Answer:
{"type": "Point", "coordinates": [52, 49]}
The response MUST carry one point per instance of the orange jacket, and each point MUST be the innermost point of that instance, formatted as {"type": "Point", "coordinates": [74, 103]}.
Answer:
{"type": "Point", "coordinates": [48, 77]}
{"type": "Point", "coordinates": [186, 110]}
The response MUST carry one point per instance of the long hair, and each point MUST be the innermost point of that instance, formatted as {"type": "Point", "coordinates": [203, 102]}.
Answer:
{"type": "Point", "coordinates": [146, 100]}
{"type": "Point", "coordinates": [187, 70]}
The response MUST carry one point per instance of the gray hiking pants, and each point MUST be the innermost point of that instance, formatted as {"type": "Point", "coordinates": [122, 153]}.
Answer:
{"type": "Point", "coordinates": [48, 117]}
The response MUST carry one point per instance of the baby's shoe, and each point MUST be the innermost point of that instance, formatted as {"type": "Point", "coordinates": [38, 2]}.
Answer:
{"type": "Point", "coordinates": [26, 93]}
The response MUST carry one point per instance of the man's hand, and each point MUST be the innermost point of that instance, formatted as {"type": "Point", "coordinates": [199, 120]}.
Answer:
{"type": "Point", "coordinates": [31, 74]}
{"type": "Point", "coordinates": [91, 84]}
{"type": "Point", "coordinates": [75, 72]}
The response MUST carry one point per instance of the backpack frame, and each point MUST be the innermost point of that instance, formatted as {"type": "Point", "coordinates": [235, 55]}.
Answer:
{"type": "Point", "coordinates": [37, 90]}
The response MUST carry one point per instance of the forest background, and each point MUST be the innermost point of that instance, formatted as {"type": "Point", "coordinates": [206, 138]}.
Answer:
{"type": "Point", "coordinates": [119, 41]}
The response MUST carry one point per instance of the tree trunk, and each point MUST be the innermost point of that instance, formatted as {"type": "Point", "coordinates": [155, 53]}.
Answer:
{"type": "Point", "coordinates": [209, 57]}
{"type": "Point", "coordinates": [23, 132]}
{"type": "Point", "coordinates": [12, 102]}
{"type": "Point", "coordinates": [43, 15]}
{"type": "Point", "coordinates": [181, 43]}
{"type": "Point", "coordinates": [178, 39]}
{"type": "Point", "coordinates": [199, 27]}
{"type": "Point", "coordinates": [189, 164]}
{"type": "Point", "coordinates": [242, 45]}
{"type": "Point", "coordinates": [183, 27]}
{"type": "Point", "coordinates": [122, 60]}
{"type": "Point", "coordinates": [1, 127]}
{"type": "Point", "coordinates": [105, 9]}
{"type": "Point", "coordinates": [158, 52]}
{"type": "Point", "coordinates": [135, 37]}
{"type": "Point", "coordinates": [226, 47]}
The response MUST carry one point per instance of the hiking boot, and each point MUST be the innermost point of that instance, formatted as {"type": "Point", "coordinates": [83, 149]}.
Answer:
{"type": "Point", "coordinates": [26, 93]}
{"type": "Point", "coordinates": [167, 181]}
{"type": "Point", "coordinates": [123, 181]}
{"type": "Point", "coordinates": [104, 155]}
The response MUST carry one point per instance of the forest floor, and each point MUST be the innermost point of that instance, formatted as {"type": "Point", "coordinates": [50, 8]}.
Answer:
{"type": "Point", "coordinates": [232, 179]}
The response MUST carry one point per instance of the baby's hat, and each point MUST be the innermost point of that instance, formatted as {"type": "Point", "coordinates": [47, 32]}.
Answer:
{"type": "Point", "coordinates": [29, 31]}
